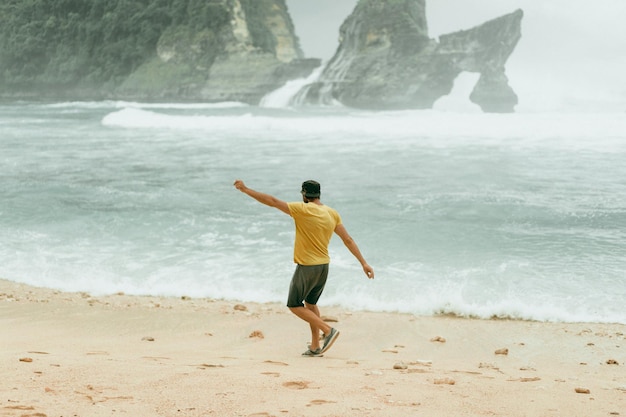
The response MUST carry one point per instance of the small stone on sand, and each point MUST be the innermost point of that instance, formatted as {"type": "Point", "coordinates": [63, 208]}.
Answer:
{"type": "Point", "coordinates": [438, 339]}
{"type": "Point", "coordinates": [26, 359]}
{"type": "Point", "coordinates": [582, 391]}
{"type": "Point", "coordinates": [257, 334]}
{"type": "Point", "coordinates": [148, 339]}
{"type": "Point", "coordinates": [503, 351]}
{"type": "Point", "coordinates": [400, 365]}
{"type": "Point", "coordinates": [240, 307]}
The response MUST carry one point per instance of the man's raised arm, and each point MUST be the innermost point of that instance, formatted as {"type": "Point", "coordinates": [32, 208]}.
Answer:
{"type": "Point", "coordinates": [263, 198]}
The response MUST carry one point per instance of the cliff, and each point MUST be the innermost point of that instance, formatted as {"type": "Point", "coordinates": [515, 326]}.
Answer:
{"type": "Point", "coordinates": [209, 50]}
{"type": "Point", "coordinates": [386, 60]}
{"type": "Point", "coordinates": [240, 50]}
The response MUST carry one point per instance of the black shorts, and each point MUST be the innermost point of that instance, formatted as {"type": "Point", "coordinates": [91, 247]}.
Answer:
{"type": "Point", "coordinates": [307, 284]}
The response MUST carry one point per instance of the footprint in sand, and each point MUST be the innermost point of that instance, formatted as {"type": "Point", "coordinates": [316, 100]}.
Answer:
{"type": "Point", "coordinates": [296, 384]}
{"type": "Point", "coordinates": [320, 402]}
{"type": "Point", "coordinates": [276, 363]}
{"type": "Point", "coordinates": [25, 408]}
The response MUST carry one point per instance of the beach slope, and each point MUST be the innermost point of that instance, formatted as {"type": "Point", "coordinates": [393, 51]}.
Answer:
{"type": "Point", "coordinates": [72, 354]}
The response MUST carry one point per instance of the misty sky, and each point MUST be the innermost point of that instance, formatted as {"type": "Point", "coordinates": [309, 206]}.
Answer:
{"type": "Point", "coordinates": [571, 50]}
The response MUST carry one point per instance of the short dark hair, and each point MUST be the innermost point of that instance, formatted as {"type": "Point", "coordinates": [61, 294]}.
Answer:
{"type": "Point", "coordinates": [311, 189]}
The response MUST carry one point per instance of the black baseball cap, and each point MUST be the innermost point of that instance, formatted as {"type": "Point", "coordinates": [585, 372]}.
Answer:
{"type": "Point", "coordinates": [311, 189]}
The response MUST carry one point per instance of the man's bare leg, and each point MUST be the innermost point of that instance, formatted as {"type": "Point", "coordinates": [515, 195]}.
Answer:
{"type": "Point", "coordinates": [315, 331]}
{"type": "Point", "coordinates": [311, 315]}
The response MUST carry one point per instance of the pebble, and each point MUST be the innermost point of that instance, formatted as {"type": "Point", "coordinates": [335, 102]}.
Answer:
{"type": "Point", "coordinates": [374, 373]}
{"type": "Point", "coordinates": [503, 351]}
{"type": "Point", "coordinates": [438, 339]}
{"type": "Point", "coordinates": [258, 334]}
{"type": "Point", "coordinates": [582, 391]}
{"type": "Point", "coordinates": [240, 307]}
{"type": "Point", "coordinates": [148, 339]}
{"type": "Point", "coordinates": [400, 365]}
{"type": "Point", "coordinates": [612, 362]}
{"type": "Point", "coordinates": [26, 359]}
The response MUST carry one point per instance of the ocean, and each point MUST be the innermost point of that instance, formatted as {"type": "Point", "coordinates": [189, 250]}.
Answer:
{"type": "Point", "coordinates": [518, 216]}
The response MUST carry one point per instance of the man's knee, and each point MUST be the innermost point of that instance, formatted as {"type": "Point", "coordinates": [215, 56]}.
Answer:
{"type": "Point", "coordinates": [295, 310]}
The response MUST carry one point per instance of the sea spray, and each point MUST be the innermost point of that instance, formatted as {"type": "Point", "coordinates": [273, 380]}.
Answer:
{"type": "Point", "coordinates": [284, 96]}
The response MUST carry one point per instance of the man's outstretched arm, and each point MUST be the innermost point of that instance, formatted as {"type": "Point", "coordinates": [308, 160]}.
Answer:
{"type": "Point", "coordinates": [263, 198]}
{"type": "Point", "coordinates": [354, 249]}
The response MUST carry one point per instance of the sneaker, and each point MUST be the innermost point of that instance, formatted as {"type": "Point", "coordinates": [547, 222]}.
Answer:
{"type": "Point", "coordinates": [316, 352]}
{"type": "Point", "coordinates": [330, 339]}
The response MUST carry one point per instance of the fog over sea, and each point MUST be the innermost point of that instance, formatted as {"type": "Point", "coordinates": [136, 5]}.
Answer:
{"type": "Point", "coordinates": [512, 215]}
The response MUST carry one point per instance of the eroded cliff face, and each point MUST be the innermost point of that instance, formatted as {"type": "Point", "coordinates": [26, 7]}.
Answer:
{"type": "Point", "coordinates": [246, 74]}
{"type": "Point", "coordinates": [387, 61]}
{"type": "Point", "coordinates": [255, 52]}
{"type": "Point", "coordinates": [240, 50]}
{"type": "Point", "coordinates": [207, 50]}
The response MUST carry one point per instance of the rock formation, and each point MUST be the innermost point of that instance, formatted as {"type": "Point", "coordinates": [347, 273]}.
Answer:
{"type": "Point", "coordinates": [257, 52]}
{"type": "Point", "coordinates": [207, 50]}
{"type": "Point", "coordinates": [240, 50]}
{"type": "Point", "coordinates": [386, 60]}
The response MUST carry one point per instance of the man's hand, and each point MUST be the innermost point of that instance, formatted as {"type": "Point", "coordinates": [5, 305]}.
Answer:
{"type": "Point", "coordinates": [240, 186]}
{"type": "Point", "coordinates": [369, 271]}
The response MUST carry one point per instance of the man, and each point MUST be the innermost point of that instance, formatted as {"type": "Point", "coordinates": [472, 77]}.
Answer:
{"type": "Point", "coordinates": [315, 224]}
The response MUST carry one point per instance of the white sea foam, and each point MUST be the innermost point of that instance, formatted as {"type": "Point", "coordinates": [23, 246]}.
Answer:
{"type": "Point", "coordinates": [601, 132]}
{"type": "Point", "coordinates": [282, 97]}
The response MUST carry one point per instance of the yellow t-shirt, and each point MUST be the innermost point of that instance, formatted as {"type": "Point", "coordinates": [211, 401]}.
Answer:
{"type": "Point", "coordinates": [315, 225]}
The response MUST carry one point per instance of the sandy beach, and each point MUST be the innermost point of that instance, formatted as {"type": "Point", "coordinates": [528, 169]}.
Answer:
{"type": "Point", "coordinates": [71, 354]}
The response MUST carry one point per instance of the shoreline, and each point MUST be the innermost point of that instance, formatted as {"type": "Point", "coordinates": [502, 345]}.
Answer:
{"type": "Point", "coordinates": [76, 354]}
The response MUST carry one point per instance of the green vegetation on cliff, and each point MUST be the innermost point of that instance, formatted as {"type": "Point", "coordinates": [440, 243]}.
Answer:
{"type": "Point", "coordinates": [46, 43]}
{"type": "Point", "coordinates": [213, 50]}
